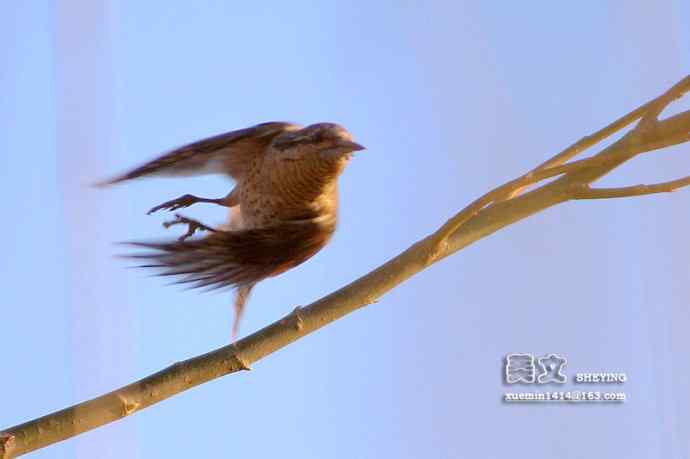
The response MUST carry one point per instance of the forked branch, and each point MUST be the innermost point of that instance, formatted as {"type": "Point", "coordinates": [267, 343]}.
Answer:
{"type": "Point", "coordinates": [587, 192]}
{"type": "Point", "coordinates": [498, 208]}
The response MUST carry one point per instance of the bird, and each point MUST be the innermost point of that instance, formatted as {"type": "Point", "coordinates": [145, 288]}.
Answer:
{"type": "Point", "coordinates": [283, 207]}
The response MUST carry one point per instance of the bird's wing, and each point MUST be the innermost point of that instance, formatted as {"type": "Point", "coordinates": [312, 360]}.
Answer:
{"type": "Point", "coordinates": [230, 153]}
{"type": "Point", "coordinates": [236, 258]}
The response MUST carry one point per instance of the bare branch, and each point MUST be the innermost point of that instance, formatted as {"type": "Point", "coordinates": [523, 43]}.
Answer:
{"type": "Point", "coordinates": [491, 212]}
{"type": "Point", "coordinates": [651, 110]}
{"type": "Point", "coordinates": [497, 194]}
{"type": "Point", "coordinates": [586, 192]}
{"type": "Point", "coordinates": [651, 117]}
{"type": "Point", "coordinates": [650, 136]}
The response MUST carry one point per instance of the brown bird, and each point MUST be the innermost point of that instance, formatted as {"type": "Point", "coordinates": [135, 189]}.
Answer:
{"type": "Point", "coordinates": [282, 209]}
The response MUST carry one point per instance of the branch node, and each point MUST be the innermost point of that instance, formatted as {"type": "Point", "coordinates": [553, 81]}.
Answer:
{"type": "Point", "coordinates": [437, 245]}
{"type": "Point", "coordinates": [579, 190]}
{"type": "Point", "coordinates": [650, 119]}
{"type": "Point", "coordinates": [294, 319]}
{"type": "Point", "coordinates": [128, 406]}
{"type": "Point", "coordinates": [239, 361]}
{"type": "Point", "coordinates": [7, 442]}
{"type": "Point", "coordinates": [299, 322]}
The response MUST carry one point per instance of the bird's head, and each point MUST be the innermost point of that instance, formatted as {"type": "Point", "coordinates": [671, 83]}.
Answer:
{"type": "Point", "coordinates": [328, 140]}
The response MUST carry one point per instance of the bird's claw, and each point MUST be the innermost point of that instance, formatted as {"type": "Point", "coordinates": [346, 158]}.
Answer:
{"type": "Point", "coordinates": [192, 226]}
{"type": "Point", "coordinates": [174, 204]}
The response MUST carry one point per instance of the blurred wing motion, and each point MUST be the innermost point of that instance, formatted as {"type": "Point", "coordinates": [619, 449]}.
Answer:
{"type": "Point", "coordinates": [237, 258]}
{"type": "Point", "coordinates": [230, 153]}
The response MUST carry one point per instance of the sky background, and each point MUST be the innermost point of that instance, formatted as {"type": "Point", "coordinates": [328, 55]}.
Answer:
{"type": "Point", "coordinates": [451, 98]}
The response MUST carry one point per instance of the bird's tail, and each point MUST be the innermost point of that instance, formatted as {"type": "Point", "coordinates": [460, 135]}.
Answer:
{"type": "Point", "coordinates": [236, 258]}
{"type": "Point", "coordinates": [241, 297]}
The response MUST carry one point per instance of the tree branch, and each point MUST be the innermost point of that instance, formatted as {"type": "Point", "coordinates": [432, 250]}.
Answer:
{"type": "Point", "coordinates": [491, 212]}
{"type": "Point", "coordinates": [586, 192]}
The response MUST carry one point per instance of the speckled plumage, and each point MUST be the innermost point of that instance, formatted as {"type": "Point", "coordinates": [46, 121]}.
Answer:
{"type": "Point", "coordinates": [283, 208]}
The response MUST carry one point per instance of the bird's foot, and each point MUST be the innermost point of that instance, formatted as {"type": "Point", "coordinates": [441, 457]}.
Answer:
{"type": "Point", "coordinates": [192, 226]}
{"type": "Point", "coordinates": [174, 204]}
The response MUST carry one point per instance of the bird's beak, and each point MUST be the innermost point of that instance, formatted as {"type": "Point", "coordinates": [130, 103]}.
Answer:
{"type": "Point", "coordinates": [349, 145]}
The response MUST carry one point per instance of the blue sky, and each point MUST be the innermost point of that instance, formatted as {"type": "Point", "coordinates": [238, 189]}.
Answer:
{"type": "Point", "coordinates": [451, 99]}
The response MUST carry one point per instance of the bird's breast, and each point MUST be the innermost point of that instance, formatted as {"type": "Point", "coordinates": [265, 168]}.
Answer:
{"type": "Point", "coordinates": [288, 191]}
